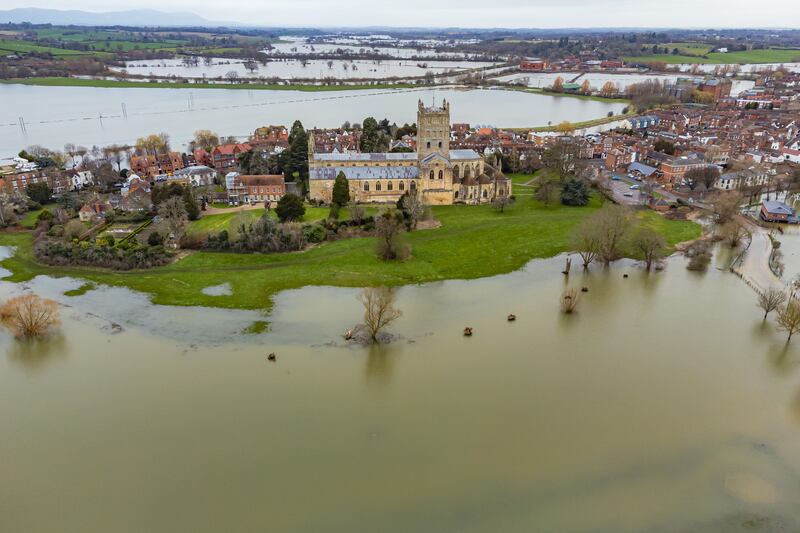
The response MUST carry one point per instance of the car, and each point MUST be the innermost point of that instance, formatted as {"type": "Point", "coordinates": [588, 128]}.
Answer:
{"type": "Point", "coordinates": [635, 186]}
{"type": "Point", "coordinates": [628, 194]}
{"type": "Point", "coordinates": [615, 178]}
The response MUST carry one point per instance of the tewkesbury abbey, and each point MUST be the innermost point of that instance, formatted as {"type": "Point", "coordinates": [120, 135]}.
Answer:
{"type": "Point", "coordinates": [440, 175]}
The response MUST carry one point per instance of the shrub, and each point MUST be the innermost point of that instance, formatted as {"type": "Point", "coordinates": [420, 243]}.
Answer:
{"type": "Point", "coordinates": [44, 215]}
{"type": "Point", "coordinates": [314, 233]}
{"type": "Point", "coordinates": [59, 253]}
{"type": "Point", "coordinates": [290, 207]}
{"type": "Point", "coordinates": [74, 229]}
{"type": "Point", "coordinates": [155, 239]}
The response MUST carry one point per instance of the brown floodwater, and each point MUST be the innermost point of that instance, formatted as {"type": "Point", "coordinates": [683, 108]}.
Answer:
{"type": "Point", "coordinates": [664, 404]}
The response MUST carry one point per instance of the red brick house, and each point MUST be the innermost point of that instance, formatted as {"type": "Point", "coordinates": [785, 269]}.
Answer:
{"type": "Point", "coordinates": [257, 188]}
{"type": "Point", "coordinates": [225, 156]}
{"type": "Point", "coordinates": [153, 165]}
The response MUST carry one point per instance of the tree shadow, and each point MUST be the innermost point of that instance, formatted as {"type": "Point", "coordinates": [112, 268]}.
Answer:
{"type": "Point", "coordinates": [35, 354]}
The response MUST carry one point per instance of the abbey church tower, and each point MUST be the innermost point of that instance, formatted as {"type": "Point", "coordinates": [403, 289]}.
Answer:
{"type": "Point", "coordinates": [433, 130]}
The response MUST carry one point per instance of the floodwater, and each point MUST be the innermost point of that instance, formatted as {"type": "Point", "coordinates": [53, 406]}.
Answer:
{"type": "Point", "coordinates": [102, 116]}
{"type": "Point", "coordinates": [302, 47]}
{"type": "Point", "coordinates": [665, 404]}
{"type": "Point", "coordinates": [295, 69]}
{"type": "Point", "coordinates": [598, 79]}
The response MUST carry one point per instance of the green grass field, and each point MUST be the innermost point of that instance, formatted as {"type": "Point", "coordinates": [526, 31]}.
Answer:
{"type": "Point", "coordinates": [79, 82]}
{"type": "Point", "coordinates": [473, 242]}
{"type": "Point", "coordinates": [23, 47]}
{"type": "Point", "coordinates": [690, 49]}
{"type": "Point", "coordinates": [730, 58]}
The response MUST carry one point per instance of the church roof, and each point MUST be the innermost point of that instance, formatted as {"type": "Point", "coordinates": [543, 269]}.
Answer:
{"type": "Point", "coordinates": [359, 156]}
{"type": "Point", "coordinates": [364, 173]}
{"type": "Point", "coordinates": [435, 155]}
{"type": "Point", "coordinates": [464, 154]}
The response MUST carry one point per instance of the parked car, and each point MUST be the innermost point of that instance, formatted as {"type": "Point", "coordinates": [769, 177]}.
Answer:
{"type": "Point", "coordinates": [635, 186]}
{"type": "Point", "coordinates": [628, 194]}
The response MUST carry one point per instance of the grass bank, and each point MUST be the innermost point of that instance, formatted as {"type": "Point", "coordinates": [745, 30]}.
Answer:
{"type": "Point", "coordinates": [124, 84]}
{"type": "Point", "coordinates": [472, 242]}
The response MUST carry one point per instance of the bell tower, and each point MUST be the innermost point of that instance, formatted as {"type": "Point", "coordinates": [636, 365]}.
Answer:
{"type": "Point", "coordinates": [433, 130]}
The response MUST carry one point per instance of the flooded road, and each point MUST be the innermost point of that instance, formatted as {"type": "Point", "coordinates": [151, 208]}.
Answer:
{"type": "Point", "coordinates": [664, 404]}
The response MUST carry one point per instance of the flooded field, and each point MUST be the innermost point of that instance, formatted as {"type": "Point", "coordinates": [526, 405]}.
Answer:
{"type": "Point", "coordinates": [296, 69]}
{"type": "Point", "coordinates": [598, 79]}
{"type": "Point", "coordinates": [88, 116]}
{"type": "Point", "coordinates": [664, 404]}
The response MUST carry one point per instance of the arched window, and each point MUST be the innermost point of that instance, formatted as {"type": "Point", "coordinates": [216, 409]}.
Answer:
{"type": "Point", "coordinates": [467, 172]}
{"type": "Point", "coordinates": [378, 186]}
{"type": "Point", "coordinates": [455, 172]}
{"type": "Point", "coordinates": [440, 144]}
{"type": "Point", "coordinates": [485, 193]}
{"type": "Point", "coordinates": [431, 176]}
{"type": "Point", "coordinates": [429, 144]}
{"type": "Point", "coordinates": [402, 186]}
{"type": "Point", "coordinates": [441, 174]}
{"type": "Point", "coordinates": [413, 185]}
{"type": "Point", "coordinates": [456, 195]}
{"type": "Point", "coordinates": [366, 186]}
{"type": "Point", "coordinates": [389, 186]}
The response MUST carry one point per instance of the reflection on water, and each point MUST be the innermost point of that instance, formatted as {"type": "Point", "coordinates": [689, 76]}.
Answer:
{"type": "Point", "coordinates": [664, 404]}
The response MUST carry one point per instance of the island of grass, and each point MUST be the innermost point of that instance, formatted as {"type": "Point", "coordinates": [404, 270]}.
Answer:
{"type": "Point", "coordinates": [472, 242]}
{"type": "Point", "coordinates": [128, 84]}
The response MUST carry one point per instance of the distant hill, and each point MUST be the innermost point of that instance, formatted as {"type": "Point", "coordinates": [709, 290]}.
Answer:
{"type": "Point", "coordinates": [133, 17]}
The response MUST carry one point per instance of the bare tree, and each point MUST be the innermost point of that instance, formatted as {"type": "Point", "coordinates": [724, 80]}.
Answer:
{"type": "Point", "coordinates": [789, 318]}
{"type": "Point", "coordinates": [733, 232]}
{"type": "Point", "coordinates": [502, 201]}
{"type": "Point", "coordinates": [611, 223]}
{"type": "Point", "coordinates": [699, 256]}
{"type": "Point", "coordinates": [205, 139]}
{"type": "Point", "coordinates": [771, 300]}
{"type": "Point", "coordinates": [379, 310]}
{"type": "Point", "coordinates": [650, 244]}
{"type": "Point", "coordinates": [725, 206]}
{"type": "Point", "coordinates": [7, 214]}
{"type": "Point", "coordinates": [389, 227]}
{"type": "Point", "coordinates": [548, 191]}
{"type": "Point", "coordinates": [586, 242]}
{"type": "Point", "coordinates": [414, 208]}
{"type": "Point", "coordinates": [173, 213]}
{"type": "Point", "coordinates": [232, 76]}
{"type": "Point", "coordinates": [357, 213]}
{"type": "Point", "coordinates": [30, 316]}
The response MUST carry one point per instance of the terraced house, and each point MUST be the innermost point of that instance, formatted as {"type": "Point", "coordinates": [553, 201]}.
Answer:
{"type": "Point", "coordinates": [441, 176]}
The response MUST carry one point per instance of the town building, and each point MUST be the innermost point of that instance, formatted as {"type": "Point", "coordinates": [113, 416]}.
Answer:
{"type": "Point", "coordinates": [244, 189]}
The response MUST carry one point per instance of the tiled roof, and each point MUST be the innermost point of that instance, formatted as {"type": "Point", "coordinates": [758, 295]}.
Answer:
{"type": "Point", "coordinates": [364, 173]}
{"type": "Point", "coordinates": [358, 156]}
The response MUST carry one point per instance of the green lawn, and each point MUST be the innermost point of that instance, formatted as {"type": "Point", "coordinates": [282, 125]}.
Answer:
{"type": "Point", "coordinates": [690, 49]}
{"type": "Point", "coordinates": [746, 57]}
{"type": "Point", "coordinates": [79, 82]}
{"type": "Point", "coordinates": [218, 222]}
{"type": "Point", "coordinates": [473, 242]}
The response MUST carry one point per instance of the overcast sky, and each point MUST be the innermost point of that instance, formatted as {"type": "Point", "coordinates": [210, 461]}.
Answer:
{"type": "Point", "coordinates": [467, 13]}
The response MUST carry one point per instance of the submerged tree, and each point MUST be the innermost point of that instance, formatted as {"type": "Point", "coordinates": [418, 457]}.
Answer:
{"type": "Point", "coordinates": [771, 300]}
{"type": "Point", "coordinates": [586, 241]}
{"type": "Point", "coordinates": [30, 316]}
{"type": "Point", "coordinates": [569, 301]}
{"type": "Point", "coordinates": [379, 310]}
{"type": "Point", "coordinates": [612, 223]}
{"type": "Point", "coordinates": [650, 244]}
{"type": "Point", "coordinates": [789, 318]}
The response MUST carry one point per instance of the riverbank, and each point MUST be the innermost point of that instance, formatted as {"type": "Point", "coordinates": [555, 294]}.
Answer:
{"type": "Point", "coordinates": [473, 242]}
{"type": "Point", "coordinates": [123, 84]}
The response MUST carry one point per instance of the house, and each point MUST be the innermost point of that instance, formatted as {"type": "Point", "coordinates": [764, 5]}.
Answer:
{"type": "Point", "coordinates": [774, 211]}
{"type": "Point", "coordinates": [640, 169]}
{"type": "Point", "coordinates": [153, 165]}
{"type": "Point", "coordinates": [256, 188]}
{"type": "Point", "coordinates": [732, 181]}
{"type": "Point", "coordinates": [791, 150]}
{"type": "Point", "coordinates": [533, 64]}
{"type": "Point", "coordinates": [195, 175]}
{"type": "Point", "coordinates": [640, 123]}
{"type": "Point", "coordinates": [79, 179]}
{"type": "Point", "coordinates": [226, 156]}
{"type": "Point", "coordinates": [136, 201]}
{"type": "Point", "coordinates": [94, 210]}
